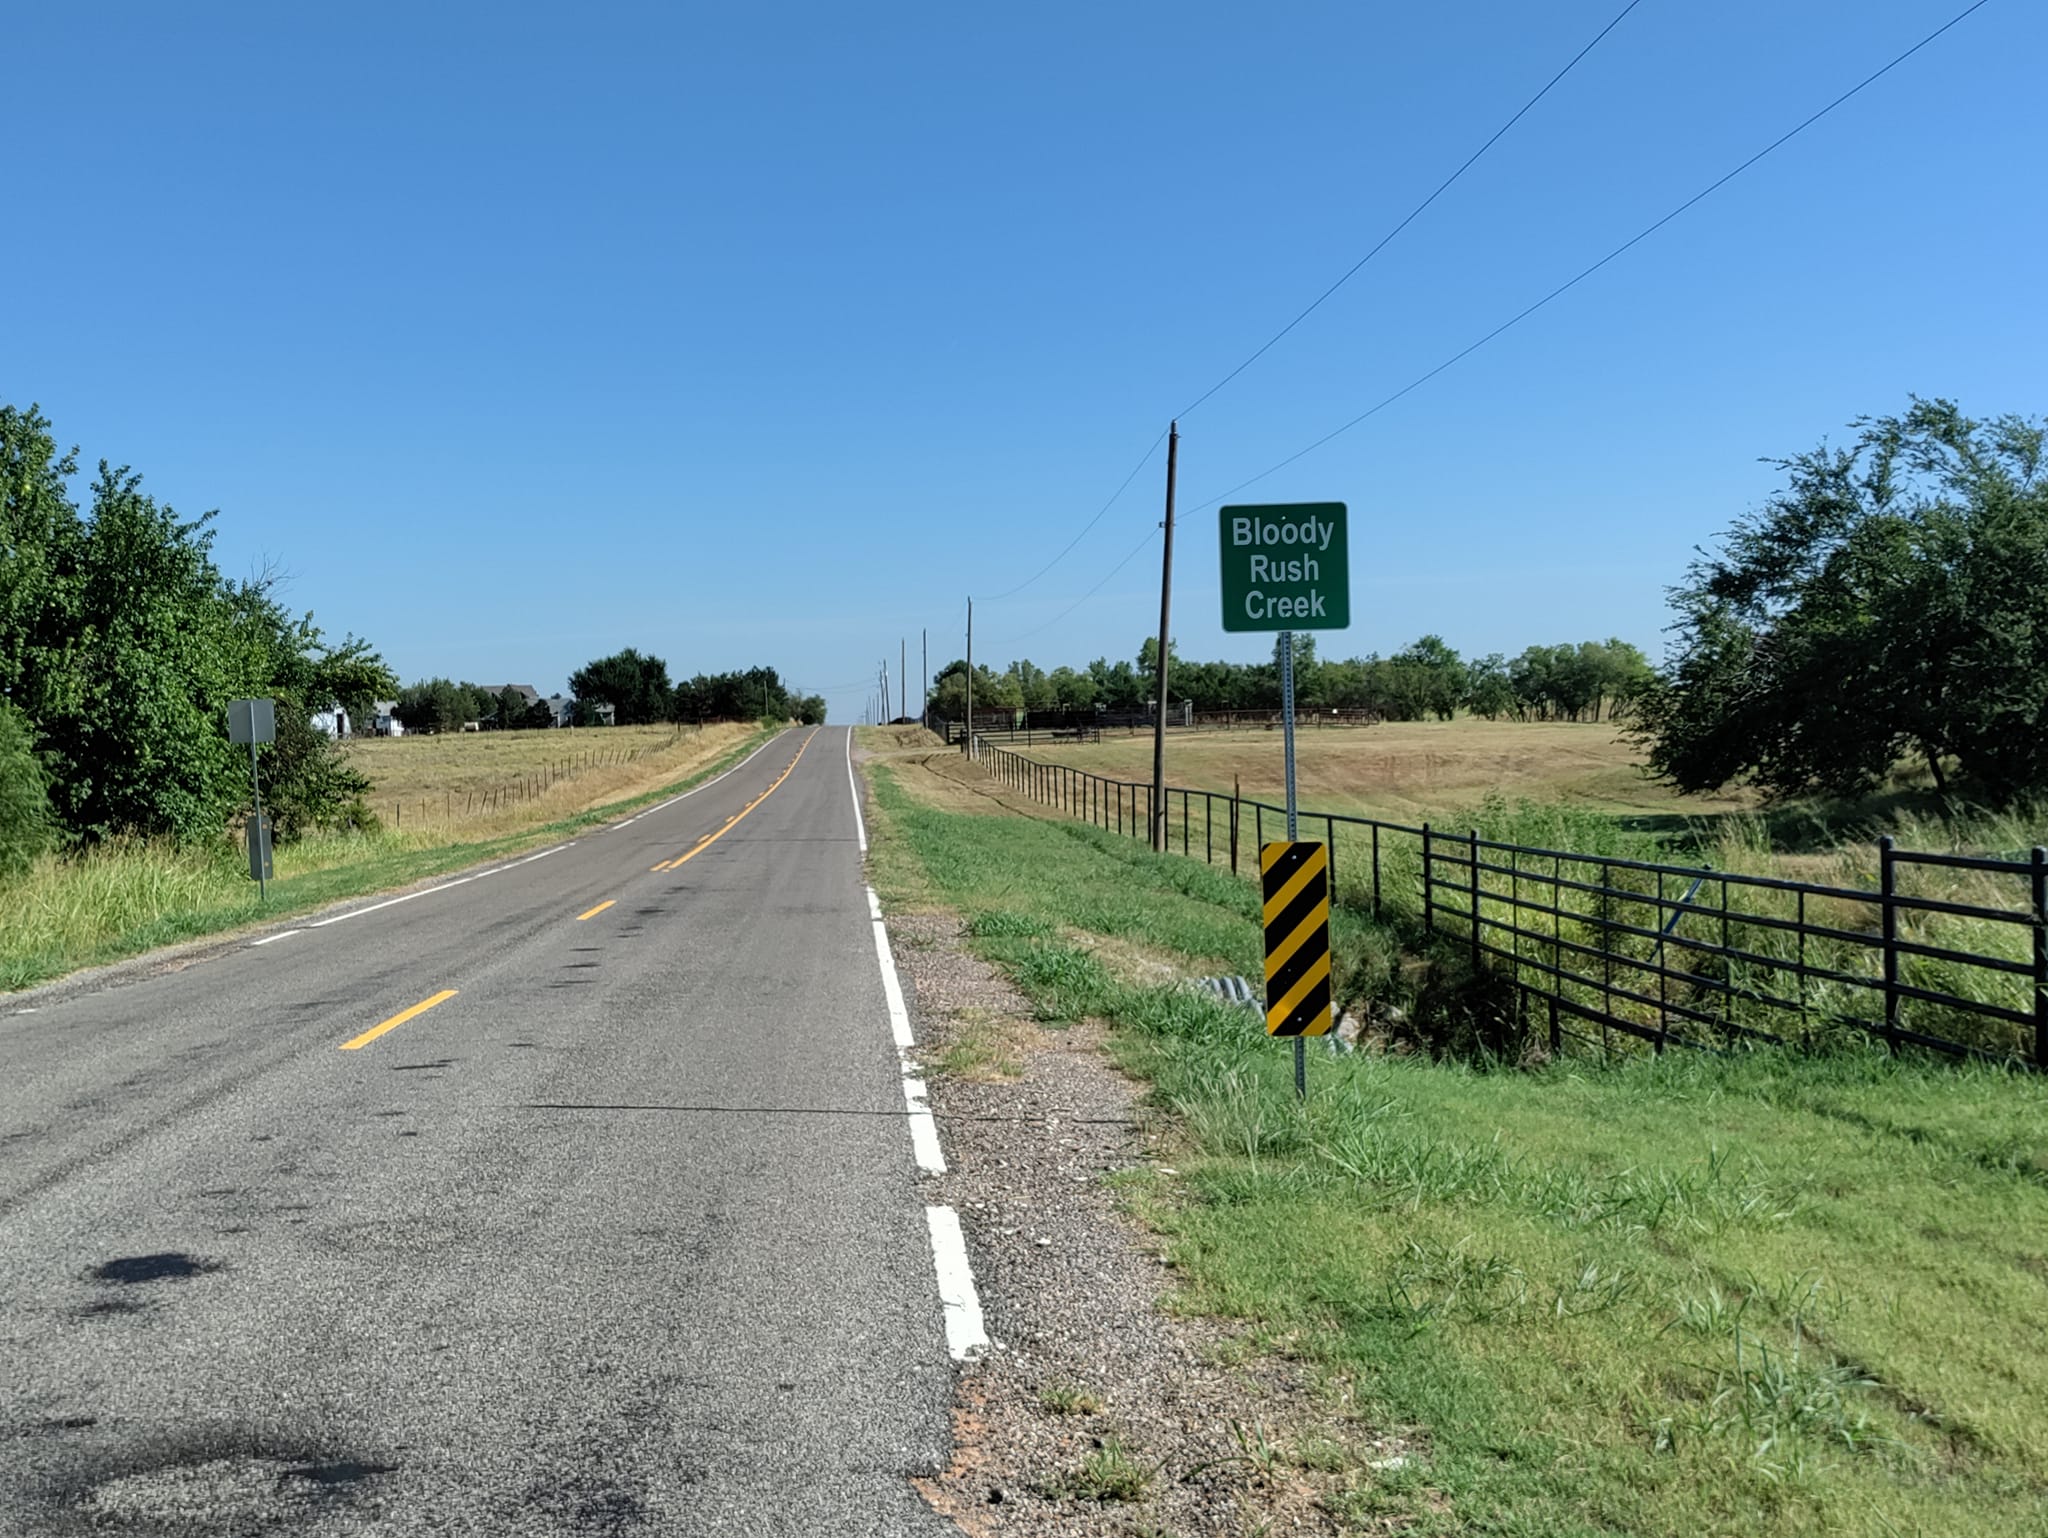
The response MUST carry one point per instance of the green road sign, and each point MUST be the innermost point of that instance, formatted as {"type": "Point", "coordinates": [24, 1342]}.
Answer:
{"type": "Point", "coordinates": [1286, 566]}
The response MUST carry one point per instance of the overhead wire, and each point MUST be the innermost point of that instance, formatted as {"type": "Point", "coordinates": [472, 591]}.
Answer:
{"type": "Point", "coordinates": [1414, 213]}
{"type": "Point", "coordinates": [1104, 582]}
{"type": "Point", "coordinates": [1587, 272]}
{"type": "Point", "coordinates": [1113, 499]}
{"type": "Point", "coordinates": [1349, 273]}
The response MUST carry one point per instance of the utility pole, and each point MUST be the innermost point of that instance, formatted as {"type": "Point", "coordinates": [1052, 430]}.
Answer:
{"type": "Point", "coordinates": [1165, 622]}
{"type": "Point", "coordinates": [903, 676]}
{"type": "Point", "coordinates": [924, 702]}
{"type": "Point", "coordinates": [970, 678]}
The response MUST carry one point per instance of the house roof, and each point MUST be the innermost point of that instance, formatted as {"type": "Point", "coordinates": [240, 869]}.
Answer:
{"type": "Point", "coordinates": [527, 692]}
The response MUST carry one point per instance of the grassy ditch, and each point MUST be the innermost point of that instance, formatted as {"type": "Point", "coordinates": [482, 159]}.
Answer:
{"type": "Point", "coordinates": [123, 899]}
{"type": "Point", "coordinates": [1772, 1294]}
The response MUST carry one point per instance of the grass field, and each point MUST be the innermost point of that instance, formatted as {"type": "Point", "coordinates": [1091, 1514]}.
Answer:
{"type": "Point", "coordinates": [122, 899]}
{"type": "Point", "coordinates": [468, 777]}
{"type": "Point", "coordinates": [1412, 770]}
{"type": "Point", "coordinates": [1766, 1294]}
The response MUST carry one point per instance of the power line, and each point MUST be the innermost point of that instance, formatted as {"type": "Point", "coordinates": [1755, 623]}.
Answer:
{"type": "Point", "coordinates": [1070, 608]}
{"type": "Point", "coordinates": [1114, 496]}
{"type": "Point", "coordinates": [1414, 213]}
{"type": "Point", "coordinates": [1587, 272]}
{"type": "Point", "coordinates": [1351, 272]}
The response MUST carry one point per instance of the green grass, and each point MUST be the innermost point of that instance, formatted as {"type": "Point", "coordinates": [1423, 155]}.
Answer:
{"type": "Point", "coordinates": [1069, 1399]}
{"type": "Point", "coordinates": [1770, 1294]}
{"type": "Point", "coordinates": [123, 899]}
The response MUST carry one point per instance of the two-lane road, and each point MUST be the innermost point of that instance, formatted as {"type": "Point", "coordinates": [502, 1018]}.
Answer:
{"type": "Point", "coordinates": [621, 1234]}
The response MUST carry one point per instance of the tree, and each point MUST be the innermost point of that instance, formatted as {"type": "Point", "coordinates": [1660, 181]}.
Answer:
{"type": "Point", "coordinates": [24, 797]}
{"type": "Point", "coordinates": [131, 712]}
{"type": "Point", "coordinates": [509, 710]}
{"type": "Point", "coordinates": [352, 676]}
{"type": "Point", "coordinates": [1117, 685]}
{"type": "Point", "coordinates": [1071, 690]}
{"type": "Point", "coordinates": [1034, 688]}
{"type": "Point", "coordinates": [122, 644]}
{"type": "Point", "coordinates": [1891, 600]}
{"type": "Point", "coordinates": [308, 782]}
{"type": "Point", "coordinates": [992, 691]}
{"type": "Point", "coordinates": [434, 705]}
{"type": "Point", "coordinates": [1148, 669]}
{"type": "Point", "coordinates": [635, 686]}
{"type": "Point", "coordinates": [40, 532]}
{"type": "Point", "coordinates": [1489, 691]}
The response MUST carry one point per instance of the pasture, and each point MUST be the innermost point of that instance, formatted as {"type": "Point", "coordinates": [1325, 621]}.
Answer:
{"type": "Point", "coordinates": [1407, 771]}
{"type": "Point", "coordinates": [442, 803]}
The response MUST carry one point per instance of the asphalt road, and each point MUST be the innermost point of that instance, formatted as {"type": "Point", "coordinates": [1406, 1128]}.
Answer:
{"type": "Point", "coordinates": [624, 1236]}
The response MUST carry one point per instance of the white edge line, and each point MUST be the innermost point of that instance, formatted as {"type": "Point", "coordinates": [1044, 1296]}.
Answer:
{"type": "Point", "coordinates": [966, 1332]}
{"type": "Point", "coordinates": [282, 934]}
{"type": "Point", "coordinates": [392, 902]}
{"type": "Point", "coordinates": [860, 826]}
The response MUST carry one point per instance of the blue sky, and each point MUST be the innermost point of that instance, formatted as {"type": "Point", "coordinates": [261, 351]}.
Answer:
{"type": "Point", "coordinates": [769, 333]}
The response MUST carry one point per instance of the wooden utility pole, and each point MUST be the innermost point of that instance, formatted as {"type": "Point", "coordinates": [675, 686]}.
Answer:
{"type": "Point", "coordinates": [969, 749]}
{"type": "Point", "coordinates": [1165, 623]}
{"type": "Point", "coordinates": [903, 677]}
{"type": "Point", "coordinates": [924, 693]}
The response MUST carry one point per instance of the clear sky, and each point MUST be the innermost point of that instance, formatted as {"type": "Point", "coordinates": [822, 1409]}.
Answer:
{"type": "Point", "coordinates": [770, 332]}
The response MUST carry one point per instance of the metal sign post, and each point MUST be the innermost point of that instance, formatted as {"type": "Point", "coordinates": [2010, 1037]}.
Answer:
{"type": "Point", "coordinates": [1286, 566]}
{"type": "Point", "coordinates": [254, 721]}
{"type": "Point", "coordinates": [1287, 752]}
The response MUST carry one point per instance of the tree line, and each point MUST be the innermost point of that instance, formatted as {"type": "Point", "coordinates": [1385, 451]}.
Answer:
{"type": "Point", "coordinates": [1586, 681]}
{"type": "Point", "coordinates": [632, 684]}
{"type": "Point", "coordinates": [121, 644]}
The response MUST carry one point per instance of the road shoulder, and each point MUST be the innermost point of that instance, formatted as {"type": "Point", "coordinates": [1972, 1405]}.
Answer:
{"type": "Point", "coordinates": [1098, 1408]}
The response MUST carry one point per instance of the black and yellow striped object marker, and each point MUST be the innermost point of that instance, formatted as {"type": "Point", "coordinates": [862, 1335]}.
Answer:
{"type": "Point", "coordinates": [1296, 880]}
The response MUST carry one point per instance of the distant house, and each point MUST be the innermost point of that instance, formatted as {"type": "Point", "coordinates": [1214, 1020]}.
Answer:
{"type": "Point", "coordinates": [332, 722]}
{"type": "Point", "coordinates": [563, 707]}
{"type": "Point", "coordinates": [528, 697]}
{"type": "Point", "coordinates": [384, 722]}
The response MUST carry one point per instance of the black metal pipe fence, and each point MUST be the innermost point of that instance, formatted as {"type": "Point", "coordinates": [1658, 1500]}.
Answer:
{"type": "Point", "coordinates": [1945, 952]}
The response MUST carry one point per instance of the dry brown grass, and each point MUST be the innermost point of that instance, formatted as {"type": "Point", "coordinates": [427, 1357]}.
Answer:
{"type": "Point", "coordinates": [1407, 771]}
{"type": "Point", "coordinates": [482, 784]}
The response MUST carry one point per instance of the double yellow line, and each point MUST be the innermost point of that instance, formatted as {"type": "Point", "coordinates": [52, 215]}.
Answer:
{"type": "Point", "coordinates": [732, 822]}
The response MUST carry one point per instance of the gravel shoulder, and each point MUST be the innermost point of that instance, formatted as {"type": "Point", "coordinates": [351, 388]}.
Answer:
{"type": "Point", "coordinates": [1099, 1409]}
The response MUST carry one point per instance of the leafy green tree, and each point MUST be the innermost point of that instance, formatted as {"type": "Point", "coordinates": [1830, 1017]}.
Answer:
{"type": "Point", "coordinates": [40, 532]}
{"type": "Point", "coordinates": [1034, 688]}
{"type": "Point", "coordinates": [122, 644]}
{"type": "Point", "coordinates": [353, 676]}
{"type": "Point", "coordinates": [636, 686]}
{"type": "Point", "coordinates": [992, 691]}
{"type": "Point", "coordinates": [1488, 690]}
{"type": "Point", "coordinates": [1435, 676]}
{"type": "Point", "coordinates": [1117, 685]}
{"type": "Point", "coordinates": [132, 713]}
{"type": "Point", "coordinates": [25, 824]}
{"type": "Point", "coordinates": [1072, 690]}
{"type": "Point", "coordinates": [1891, 601]}
{"type": "Point", "coordinates": [308, 782]}
{"type": "Point", "coordinates": [509, 710]}
{"type": "Point", "coordinates": [1148, 669]}
{"type": "Point", "coordinates": [434, 705]}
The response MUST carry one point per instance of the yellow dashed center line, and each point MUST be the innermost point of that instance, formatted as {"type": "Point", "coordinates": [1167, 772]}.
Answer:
{"type": "Point", "coordinates": [732, 822]}
{"type": "Point", "coordinates": [398, 1019]}
{"type": "Point", "coordinates": [594, 912]}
